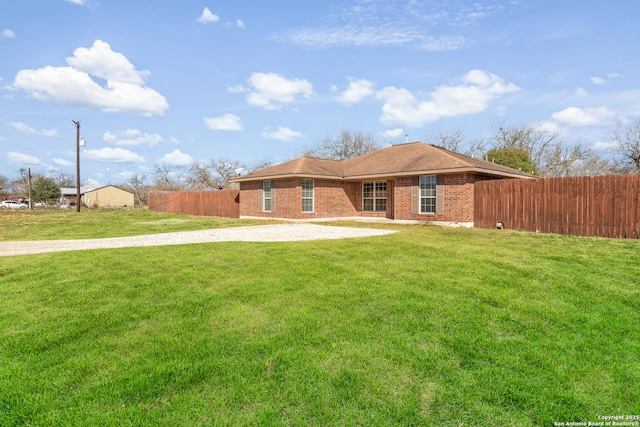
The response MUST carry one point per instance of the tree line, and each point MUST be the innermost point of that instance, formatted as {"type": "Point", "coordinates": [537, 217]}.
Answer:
{"type": "Point", "coordinates": [43, 187]}
{"type": "Point", "coordinates": [526, 147]}
{"type": "Point", "coordinates": [542, 152]}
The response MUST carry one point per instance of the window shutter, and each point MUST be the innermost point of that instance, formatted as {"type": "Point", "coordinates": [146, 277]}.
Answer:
{"type": "Point", "coordinates": [415, 195]}
{"type": "Point", "coordinates": [439, 195]}
{"type": "Point", "coordinates": [273, 198]}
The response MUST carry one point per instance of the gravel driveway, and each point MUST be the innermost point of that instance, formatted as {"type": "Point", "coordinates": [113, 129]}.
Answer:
{"type": "Point", "coordinates": [260, 233]}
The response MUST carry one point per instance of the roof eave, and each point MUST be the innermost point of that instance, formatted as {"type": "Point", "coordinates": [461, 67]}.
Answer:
{"type": "Point", "coordinates": [285, 176]}
{"type": "Point", "coordinates": [441, 171]}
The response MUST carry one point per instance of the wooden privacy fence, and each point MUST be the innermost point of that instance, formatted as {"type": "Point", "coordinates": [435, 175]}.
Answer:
{"type": "Point", "coordinates": [605, 206]}
{"type": "Point", "coordinates": [224, 203]}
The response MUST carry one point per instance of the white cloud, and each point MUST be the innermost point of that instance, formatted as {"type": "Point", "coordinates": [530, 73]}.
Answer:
{"type": "Point", "coordinates": [551, 127]}
{"type": "Point", "coordinates": [22, 128]}
{"type": "Point", "coordinates": [282, 134]}
{"type": "Point", "coordinates": [357, 90]}
{"type": "Point", "coordinates": [115, 155]}
{"type": "Point", "coordinates": [229, 122]}
{"type": "Point", "coordinates": [239, 23]}
{"type": "Point", "coordinates": [176, 158]}
{"type": "Point", "coordinates": [473, 96]}
{"type": "Point", "coordinates": [581, 92]}
{"type": "Point", "coordinates": [353, 35]}
{"type": "Point", "coordinates": [20, 159]}
{"type": "Point", "coordinates": [393, 133]}
{"type": "Point", "coordinates": [436, 44]}
{"type": "Point", "coordinates": [80, 2]}
{"type": "Point", "coordinates": [577, 117]}
{"type": "Point", "coordinates": [100, 61]}
{"type": "Point", "coordinates": [63, 163]}
{"type": "Point", "coordinates": [208, 17]}
{"type": "Point", "coordinates": [124, 176]}
{"type": "Point", "coordinates": [604, 145]}
{"type": "Point", "coordinates": [423, 25]}
{"type": "Point", "coordinates": [132, 137]}
{"type": "Point", "coordinates": [237, 89]}
{"type": "Point", "coordinates": [597, 80]}
{"type": "Point", "coordinates": [7, 34]}
{"type": "Point", "coordinates": [271, 90]}
{"type": "Point", "coordinates": [91, 182]}
{"type": "Point", "coordinates": [124, 90]}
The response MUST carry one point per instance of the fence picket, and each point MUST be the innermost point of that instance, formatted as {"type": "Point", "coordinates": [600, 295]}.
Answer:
{"type": "Point", "coordinates": [224, 203]}
{"type": "Point", "coordinates": [605, 206]}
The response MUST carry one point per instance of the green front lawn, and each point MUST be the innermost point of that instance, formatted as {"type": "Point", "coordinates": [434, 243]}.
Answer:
{"type": "Point", "coordinates": [428, 326]}
{"type": "Point", "coordinates": [55, 224]}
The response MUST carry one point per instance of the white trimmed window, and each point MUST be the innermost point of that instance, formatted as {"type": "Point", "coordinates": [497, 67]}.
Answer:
{"type": "Point", "coordinates": [266, 196]}
{"type": "Point", "coordinates": [374, 196]}
{"type": "Point", "coordinates": [307, 195]}
{"type": "Point", "coordinates": [428, 194]}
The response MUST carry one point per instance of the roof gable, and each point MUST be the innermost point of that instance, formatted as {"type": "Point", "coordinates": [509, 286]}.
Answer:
{"type": "Point", "coordinates": [108, 186]}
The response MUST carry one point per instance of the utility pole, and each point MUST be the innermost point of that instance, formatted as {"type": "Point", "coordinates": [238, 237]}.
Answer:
{"type": "Point", "coordinates": [77, 123]}
{"type": "Point", "coordinates": [30, 201]}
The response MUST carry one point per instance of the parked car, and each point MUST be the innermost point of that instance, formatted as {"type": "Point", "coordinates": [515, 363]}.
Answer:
{"type": "Point", "coordinates": [11, 204]}
{"type": "Point", "coordinates": [41, 205]}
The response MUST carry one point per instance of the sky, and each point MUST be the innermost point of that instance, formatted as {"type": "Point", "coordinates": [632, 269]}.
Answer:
{"type": "Point", "coordinates": [169, 83]}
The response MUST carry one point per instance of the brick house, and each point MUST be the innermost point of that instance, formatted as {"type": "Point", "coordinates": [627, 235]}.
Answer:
{"type": "Point", "coordinates": [412, 181]}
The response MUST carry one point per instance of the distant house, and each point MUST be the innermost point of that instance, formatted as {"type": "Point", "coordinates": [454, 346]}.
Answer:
{"type": "Point", "coordinates": [69, 195]}
{"type": "Point", "coordinates": [412, 181]}
{"type": "Point", "coordinates": [108, 196]}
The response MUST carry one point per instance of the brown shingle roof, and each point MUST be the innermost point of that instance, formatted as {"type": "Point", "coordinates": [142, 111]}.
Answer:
{"type": "Point", "coordinates": [415, 158]}
{"type": "Point", "coordinates": [302, 166]}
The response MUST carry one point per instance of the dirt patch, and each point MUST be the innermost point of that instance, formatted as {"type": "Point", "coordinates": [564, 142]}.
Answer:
{"type": "Point", "coordinates": [260, 233]}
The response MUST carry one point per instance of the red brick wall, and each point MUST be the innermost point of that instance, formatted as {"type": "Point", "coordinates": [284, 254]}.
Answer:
{"type": "Point", "coordinates": [331, 199]}
{"type": "Point", "coordinates": [250, 198]}
{"type": "Point", "coordinates": [458, 199]}
{"type": "Point", "coordinates": [344, 199]}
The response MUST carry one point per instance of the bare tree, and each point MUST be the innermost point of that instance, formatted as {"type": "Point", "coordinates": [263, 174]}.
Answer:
{"type": "Point", "coordinates": [260, 165]}
{"type": "Point", "coordinates": [576, 160]}
{"type": "Point", "coordinates": [451, 140]}
{"type": "Point", "coordinates": [168, 179]}
{"type": "Point", "coordinates": [20, 185]}
{"type": "Point", "coordinates": [5, 186]}
{"type": "Point", "coordinates": [534, 140]}
{"type": "Point", "coordinates": [227, 170]}
{"type": "Point", "coordinates": [138, 187]}
{"type": "Point", "coordinates": [213, 175]}
{"type": "Point", "coordinates": [64, 179]}
{"type": "Point", "coordinates": [627, 146]}
{"type": "Point", "coordinates": [201, 177]}
{"type": "Point", "coordinates": [454, 141]}
{"type": "Point", "coordinates": [348, 145]}
{"type": "Point", "coordinates": [594, 165]}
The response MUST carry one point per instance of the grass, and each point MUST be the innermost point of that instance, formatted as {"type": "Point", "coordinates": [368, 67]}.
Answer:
{"type": "Point", "coordinates": [428, 326]}
{"type": "Point", "coordinates": [54, 224]}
